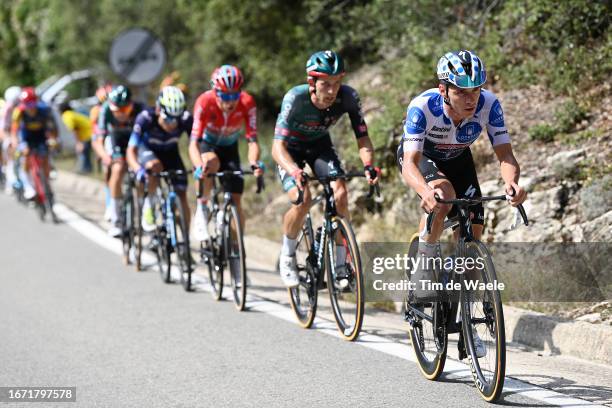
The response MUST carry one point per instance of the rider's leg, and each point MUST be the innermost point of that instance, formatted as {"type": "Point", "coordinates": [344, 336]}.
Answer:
{"type": "Point", "coordinates": [211, 164]}
{"type": "Point", "coordinates": [117, 170]}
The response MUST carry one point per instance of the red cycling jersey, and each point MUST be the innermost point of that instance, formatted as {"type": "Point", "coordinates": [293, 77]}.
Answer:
{"type": "Point", "coordinates": [223, 129]}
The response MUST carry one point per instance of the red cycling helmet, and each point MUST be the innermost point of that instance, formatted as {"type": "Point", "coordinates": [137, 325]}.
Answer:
{"type": "Point", "coordinates": [28, 96]}
{"type": "Point", "coordinates": [103, 91]}
{"type": "Point", "coordinates": [227, 79]}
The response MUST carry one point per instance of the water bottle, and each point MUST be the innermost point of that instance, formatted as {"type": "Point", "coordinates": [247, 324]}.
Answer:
{"type": "Point", "coordinates": [220, 216]}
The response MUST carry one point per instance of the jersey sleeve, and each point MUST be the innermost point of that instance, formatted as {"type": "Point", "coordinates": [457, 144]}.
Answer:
{"type": "Point", "coordinates": [415, 127]}
{"type": "Point", "coordinates": [288, 107]}
{"type": "Point", "coordinates": [355, 112]}
{"type": "Point", "coordinates": [251, 118]}
{"type": "Point", "coordinates": [496, 126]}
{"type": "Point", "coordinates": [138, 130]}
{"type": "Point", "coordinates": [187, 123]}
{"type": "Point", "coordinates": [102, 128]}
{"type": "Point", "coordinates": [198, 118]}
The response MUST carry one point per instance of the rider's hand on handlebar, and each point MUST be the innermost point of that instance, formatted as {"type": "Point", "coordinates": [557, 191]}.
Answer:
{"type": "Point", "coordinates": [298, 175]}
{"type": "Point", "coordinates": [198, 172]}
{"type": "Point", "coordinates": [141, 175]}
{"type": "Point", "coordinates": [515, 194]}
{"type": "Point", "coordinates": [371, 173]}
{"type": "Point", "coordinates": [258, 168]}
{"type": "Point", "coordinates": [429, 202]}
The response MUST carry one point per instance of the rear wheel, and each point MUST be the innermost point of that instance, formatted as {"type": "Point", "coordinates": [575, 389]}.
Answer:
{"type": "Point", "coordinates": [483, 318]}
{"type": "Point", "coordinates": [163, 247]}
{"type": "Point", "coordinates": [429, 341]}
{"type": "Point", "coordinates": [303, 298]}
{"type": "Point", "coordinates": [234, 249]}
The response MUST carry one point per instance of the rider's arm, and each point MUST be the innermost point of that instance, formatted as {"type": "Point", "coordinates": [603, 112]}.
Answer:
{"type": "Point", "coordinates": [510, 172]}
{"type": "Point", "coordinates": [194, 153]}
{"type": "Point", "coordinates": [197, 130]}
{"type": "Point", "coordinates": [282, 156]}
{"type": "Point", "coordinates": [251, 127]}
{"type": "Point", "coordinates": [366, 150]}
{"type": "Point", "coordinates": [411, 174]}
{"type": "Point", "coordinates": [131, 153]}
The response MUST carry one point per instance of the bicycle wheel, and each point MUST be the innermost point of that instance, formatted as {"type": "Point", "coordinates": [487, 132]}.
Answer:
{"type": "Point", "coordinates": [49, 199]}
{"type": "Point", "coordinates": [137, 226]}
{"type": "Point", "coordinates": [482, 315]}
{"type": "Point", "coordinates": [303, 297]}
{"type": "Point", "coordinates": [428, 342]}
{"type": "Point", "coordinates": [211, 255]}
{"type": "Point", "coordinates": [236, 260]}
{"type": "Point", "coordinates": [345, 286]}
{"type": "Point", "coordinates": [127, 224]}
{"type": "Point", "coordinates": [163, 247]}
{"type": "Point", "coordinates": [183, 250]}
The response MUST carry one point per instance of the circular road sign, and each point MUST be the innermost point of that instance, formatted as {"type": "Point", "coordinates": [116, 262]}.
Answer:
{"type": "Point", "coordinates": [137, 56]}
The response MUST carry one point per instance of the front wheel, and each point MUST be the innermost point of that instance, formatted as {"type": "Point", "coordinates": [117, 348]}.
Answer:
{"type": "Point", "coordinates": [345, 278]}
{"type": "Point", "coordinates": [483, 326]}
{"type": "Point", "coordinates": [303, 297]}
{"type": "Point", "coordinates": [236, 259]}
{"type": "Point", "coordinates": [183, 249]}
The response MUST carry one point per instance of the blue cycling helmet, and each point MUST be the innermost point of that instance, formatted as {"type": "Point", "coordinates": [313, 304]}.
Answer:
{"type": "Point", "coordinates": [464, 69]}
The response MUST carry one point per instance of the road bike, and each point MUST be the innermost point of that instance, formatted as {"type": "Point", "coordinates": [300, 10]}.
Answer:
{"type": "Point", "coordinates": [317, 266]}
{"type": "Point", "coordinates": [481, 310]}
{"type": "Point", "coordinates": [225, 245]}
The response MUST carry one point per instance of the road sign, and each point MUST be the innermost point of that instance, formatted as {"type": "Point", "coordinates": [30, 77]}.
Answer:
{"type": "Point", "coordinates": [137, 56]}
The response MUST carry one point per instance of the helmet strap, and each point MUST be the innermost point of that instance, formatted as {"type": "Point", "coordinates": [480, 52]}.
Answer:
{"type": "Point", "coordinates": [446, 97]}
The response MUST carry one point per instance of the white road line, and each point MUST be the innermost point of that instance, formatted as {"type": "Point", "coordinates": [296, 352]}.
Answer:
{"type": "Point", "coordinates": [453, 368]}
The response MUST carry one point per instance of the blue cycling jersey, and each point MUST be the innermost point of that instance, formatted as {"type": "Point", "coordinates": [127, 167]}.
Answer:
{"type": "Point", "coordinates": [429, 130]}
{"type": "Point", "coordinates": [148, 133]}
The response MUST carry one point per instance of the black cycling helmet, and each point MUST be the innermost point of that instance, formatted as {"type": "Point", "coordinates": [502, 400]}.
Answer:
{"type": "Point", "coordinates": [120, 96]}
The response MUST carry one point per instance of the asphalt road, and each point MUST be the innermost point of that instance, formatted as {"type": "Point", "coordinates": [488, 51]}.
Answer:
{"type": "Point", "coordinates": [72, 315]}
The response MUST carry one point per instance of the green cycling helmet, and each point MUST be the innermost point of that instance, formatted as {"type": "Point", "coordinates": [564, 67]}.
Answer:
{"type": "Point", "coordinates": [323, 64]}
{"type": "Point", "coordinates": [120, 96]}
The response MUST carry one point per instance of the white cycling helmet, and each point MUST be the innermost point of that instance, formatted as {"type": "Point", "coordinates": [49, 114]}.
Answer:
{"type": "Point", "coordinates": [172, 101]}
{"type": "Point", "coordinates": [464, 69]}
{"type": "Point", "coordinates": [12, 94]}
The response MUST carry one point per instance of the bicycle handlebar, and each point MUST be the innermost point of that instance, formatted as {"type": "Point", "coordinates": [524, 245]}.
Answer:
{"type": "Point", "coordinates": [374, 189]}
{"type": "Point", "coordinates": [260, 180]}
{"type": "Point", "coordinates": [466, 202]}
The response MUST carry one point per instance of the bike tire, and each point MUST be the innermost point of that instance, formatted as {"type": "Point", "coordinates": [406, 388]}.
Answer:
{"type": "Point", "coordinates": [183, 249]}
{"type": "Point", "coordinates": [138, 233]}
{"type": "Point", "coordinates": [488, 375]}
{"type": "Point", "coordinates": [429, 351]}
{"type": "Point", "coordinates": [236, 257]}
{"type": "Point", "coordinates": [127, 230]}
{"type": "Point", "coordinates": [304, 297]}
{"type": "Point", "coordinates": [49, 198]}
{"type": "Point", "coordinates": [211, 254]}
{"type": "Point", "coordinates": [347, 306]}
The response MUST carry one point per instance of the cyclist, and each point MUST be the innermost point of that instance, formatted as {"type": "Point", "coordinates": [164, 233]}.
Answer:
{"type": "Point", "coordinates": [434, 156]}
{"type": "Point", "coordinates": [153, 146]}
{"type": "Point", "coordinates": [80, 125]}
{"type": "Point", "coordinates": [33, 131]}
{"type": "Point", "coordinates": [301, 136]}
{"type": "Point", "coordinates": [218, 118]}
{"type": "Point", "coordinates": [115, 123]}
{"type": "Point", "coordinates": [11, 98]}
{"type": "Point", "coordinates": [101, 94]}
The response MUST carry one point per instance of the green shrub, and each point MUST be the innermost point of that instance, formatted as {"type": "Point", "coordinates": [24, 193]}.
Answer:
{"type": "Point", "coordinates": [543, 133]}
{"type": "Point", "coordinates": [568, 114]}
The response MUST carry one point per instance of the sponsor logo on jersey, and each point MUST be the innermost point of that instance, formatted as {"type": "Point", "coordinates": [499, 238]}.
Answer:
{"type": "Point", "coordinates": [413, 139]}
{"type": "Point", "coordinates": [440, 129]}
{"type": "Point", "coordinates": [496, 116]}
{"type": "Point", "coordinates": [415, 121]}
{"type": "Point", "coordinates": [469, 132]}
{"type": "Point", "coordinates": [435, 136]}
{"type": "Point", "coordinates": [501, 132]}
{"type": "Point", "coordinates": [470, 191]}
{"type": "Point", "coordinates": [435, 105]}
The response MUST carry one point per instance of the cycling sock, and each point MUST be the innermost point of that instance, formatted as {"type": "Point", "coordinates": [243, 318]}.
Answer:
{"type": "Point", "coordinates": [340, 255]}
{"type": "Point", "coordinates": [114, 209]}
{"type": "Point", "coordinates": [146, 203]}
{"type": "Point", "coordinates": [289, 246]}
{"type": "Point", "coordinates": [427, 249]}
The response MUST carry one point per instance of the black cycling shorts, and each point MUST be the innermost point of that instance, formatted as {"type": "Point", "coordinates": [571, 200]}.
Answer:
{"type": "Point", "coordinates": [229, 159]}
{"type": "Point", "coordinates": [320, 156]}
{"type": "Point", "coordinates": [461, 173]}
{"type": "Point", "coordinates": [170, 160]}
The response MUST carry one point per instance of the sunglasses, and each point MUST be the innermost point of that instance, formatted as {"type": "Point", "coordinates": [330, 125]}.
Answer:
{"type": "Point", "coordinates": [122, 109]}
{"type": "Point", "coordinates": [169, 119]}
{"type": "Point", "coordinates": [228, 97]}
